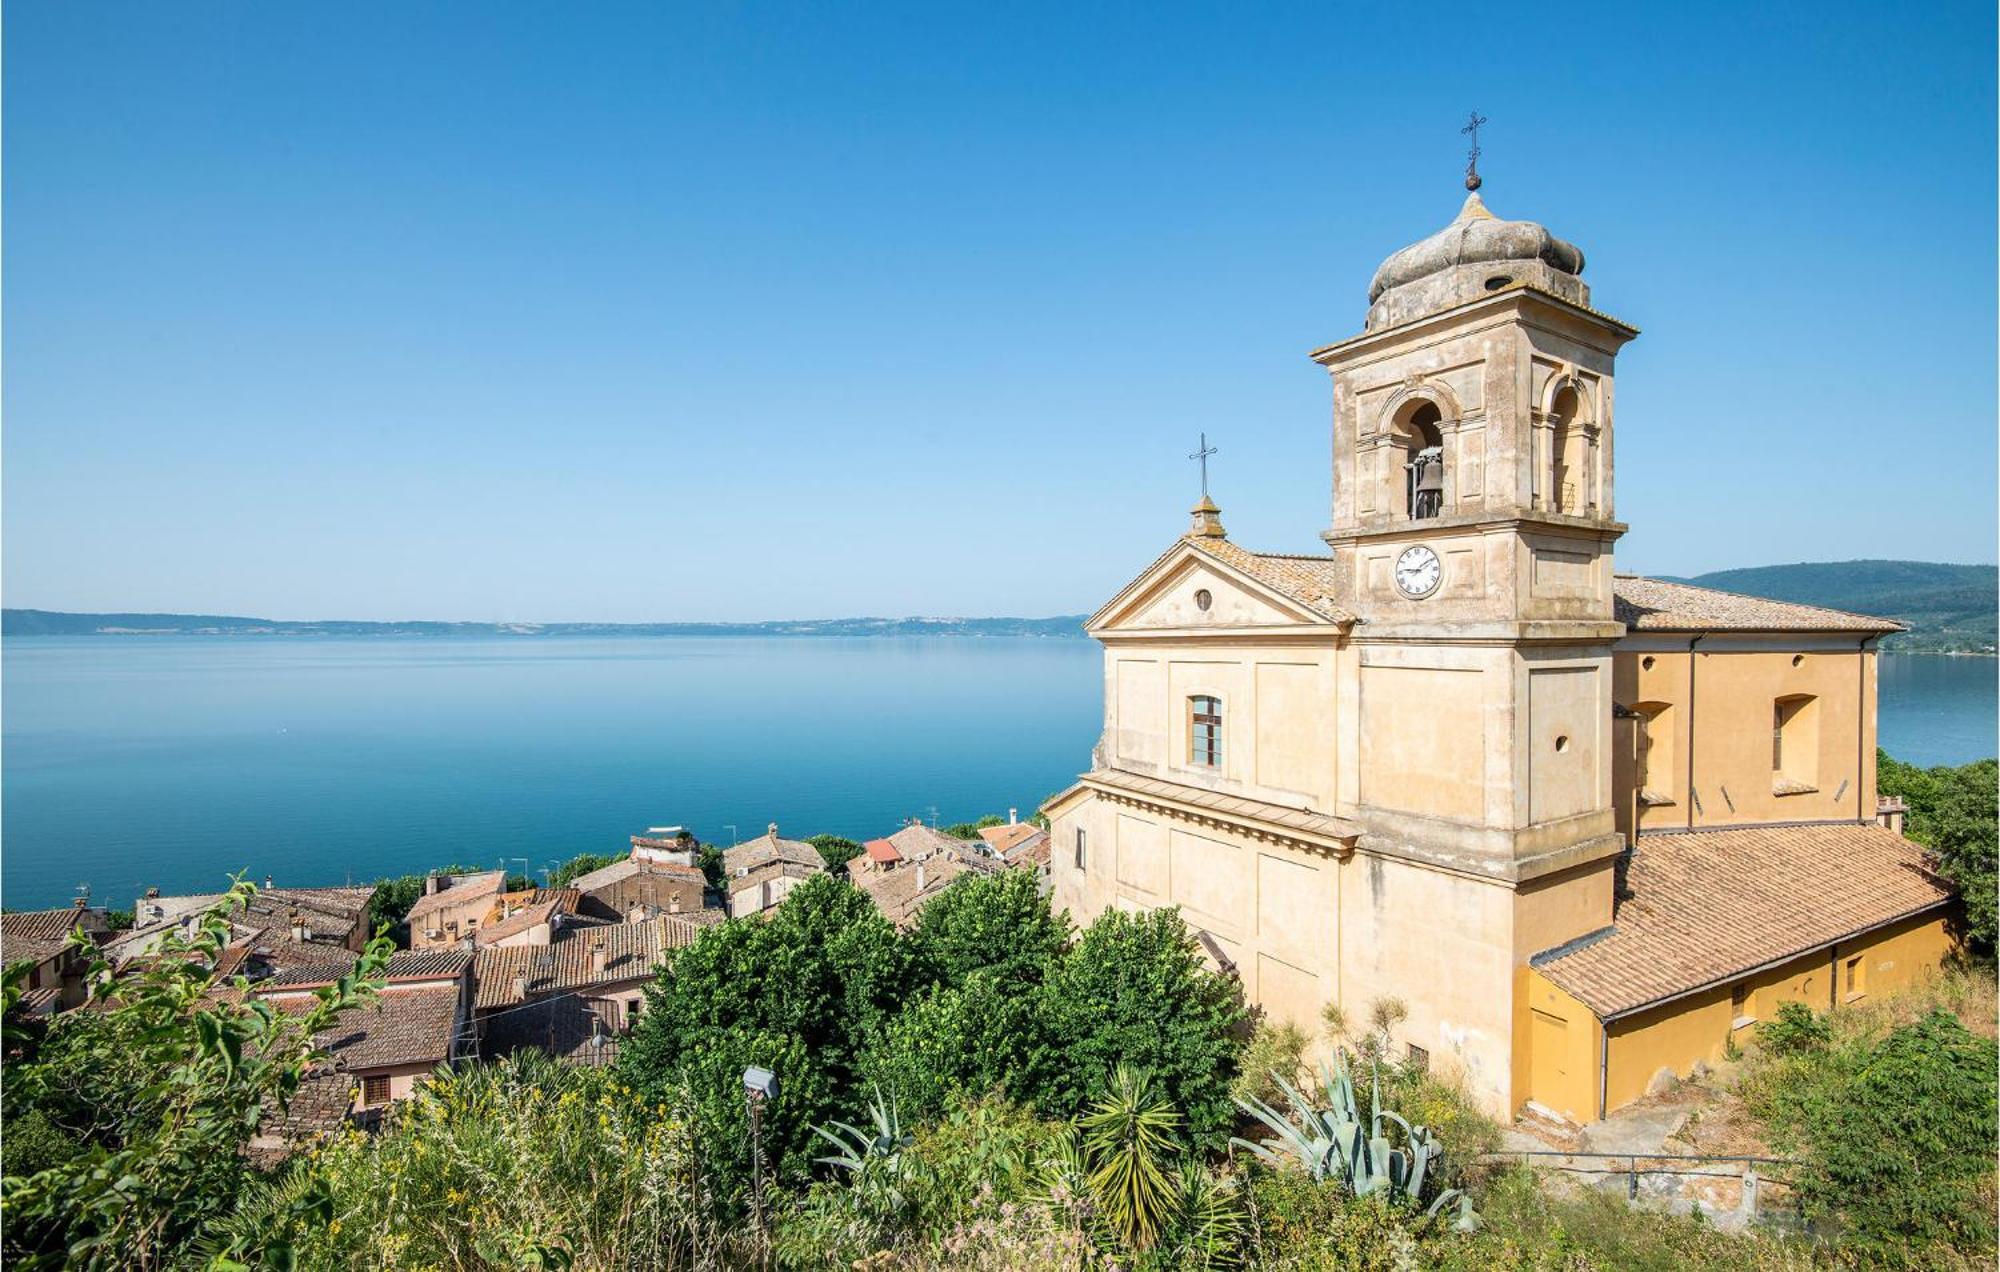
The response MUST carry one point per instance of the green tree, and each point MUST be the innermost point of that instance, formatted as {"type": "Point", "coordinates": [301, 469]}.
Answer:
{"type": "Point", "coordinates": [156, 1090]}
{"type": "Point", "coordinates": [1133, 990]}
{"type": "Point", "coordinates": [971, 829]}
{"type": "Point", "coordinates": [836, 851]}
{"type": "Point", "coordinates": [1898, 1136]}
{"type": "Point", "coordinates": [1955, 812]}
{"type": "Point", "coordinates": [800, 993]}
{"type": "Point", "coordinates": [992, 922]}
{"type": "Point", "coordinates": [976, 1038]}
{"type": "Point", "coordinates": [578, 866]}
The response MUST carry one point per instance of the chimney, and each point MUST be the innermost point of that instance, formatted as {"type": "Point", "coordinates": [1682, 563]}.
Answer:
{"type": "Point", "coordinates": [773, 829]}
{"type": "Point", "coordinates": [430, 885]}
{"type": "Point", "coordinates": [1013, 817]}
{"type": "Point", "coordinates": [82, 903]}
{"type": "Point", "coordinates": [521, 986]}
{"type": "Point", "coordinates": [267, 883]}
{"type": "Point", "coordinates": [920, 876]}
{"type": "Point", "coordinates": [674, 903]}
{"type": "Point", "coordinates": [597, 958]}
{"type": "Point", "coordinates": [298, 926]}
{"type": "Point", "coordinates": [464, 942]}
{"type": "Point", "coordinates": [151, 893]}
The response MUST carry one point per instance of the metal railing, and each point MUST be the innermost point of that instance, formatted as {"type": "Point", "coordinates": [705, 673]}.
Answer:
{"type": "Point", "coordinates": [1632, 1169]}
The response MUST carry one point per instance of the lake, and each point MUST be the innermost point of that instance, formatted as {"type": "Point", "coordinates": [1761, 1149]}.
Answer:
{"type": "Point", "coordinates": [169, 761]}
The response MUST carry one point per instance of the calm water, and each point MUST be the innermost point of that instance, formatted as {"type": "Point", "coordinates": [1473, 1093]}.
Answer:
{"type": "Point", "coordinates": [170, 761]}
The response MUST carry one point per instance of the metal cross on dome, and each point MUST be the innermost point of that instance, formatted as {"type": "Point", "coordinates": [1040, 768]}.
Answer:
{"type": "Point", "coordinates": [1201, 457]}
{"type": "Point", "coordinates": [1471, 129]}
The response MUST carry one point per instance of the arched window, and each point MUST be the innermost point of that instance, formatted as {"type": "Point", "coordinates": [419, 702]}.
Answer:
{"type": "Point", "coordinates": [1421, 445]}
{"type": "Point", "coordinates": [1205, 731]}
{"type": "Point", "coordinates": [1569, 455]}
{"type": "Point", "coordinates": [1795, 745]}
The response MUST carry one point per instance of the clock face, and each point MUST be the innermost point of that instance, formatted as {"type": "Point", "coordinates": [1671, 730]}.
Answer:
{"type": "Point", "coordinates": [1417, 572]}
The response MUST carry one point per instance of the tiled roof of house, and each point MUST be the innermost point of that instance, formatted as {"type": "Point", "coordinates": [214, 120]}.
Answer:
{"type": "Point", "coordinates": [1703, 907]}
{"type": "Point", "coordinates": [572, 1029]}
{"type": "Point", "coordinates": [404, 965]}
{"type": "Point", "coordinates": [1004, 839]}
{"type": "Point", "coordinates": [38, 935]}
{"type": "Point", "coordinates": [455, 890]}
{"type": "Point", "coordinates": [318, 1108]}
{"type": "Point", "coordinates": [411, 1025]}
{"type": "Point", "coordinates": [918, 842]}
{"type": "Point", "coordinates": [537, 907]}
{"type": "Point", "coordinates": [631, 952]}
{"type": "Point", "coordinates": [901, 892]}
{"type": "Point", "coordinates": [771, 870]}
{"type": "Point", "coordinates": [767, 847]}
{"type": "Point", "coordinates": [882, 851]}
{"type": "Point", "coordinates": [1655, 605]}
{"type": "Point", "coordinates": [619, 871]}
{"type": "Point", "coordinates": [1309, 580]}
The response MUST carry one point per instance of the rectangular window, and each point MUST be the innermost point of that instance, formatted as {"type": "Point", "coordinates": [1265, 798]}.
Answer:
{"type": "Point", "coordinates": [1079, 847]}
{"type": "Point", "coordinates": [1420, 1058]}
{"type": "Point", "coordinates": [1855, 985]}
{"type": "Point", "coordinates": [1778, 738]}
{"type": "Point", "coordinates": [374, 1090]}
{"type": "Point", "coordinates": [1205, 731]}
{"type": "Point", "coordinates": [1739, 1007]}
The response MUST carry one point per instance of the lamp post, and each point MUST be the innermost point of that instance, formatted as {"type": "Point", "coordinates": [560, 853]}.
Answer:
{"type": "Point", "coordinates": [759, 1085]}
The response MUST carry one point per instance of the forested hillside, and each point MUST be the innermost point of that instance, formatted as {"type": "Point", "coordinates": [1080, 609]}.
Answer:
{"type": "Point", "coordinates": [1950, 608]}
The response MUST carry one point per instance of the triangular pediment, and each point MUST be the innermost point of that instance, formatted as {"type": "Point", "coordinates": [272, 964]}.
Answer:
{"type": "Point", "coordinates": [1165, 597]}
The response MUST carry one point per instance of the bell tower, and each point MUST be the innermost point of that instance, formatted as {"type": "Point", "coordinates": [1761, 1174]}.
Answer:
{"type": "Point", "coordinates": [1473, 522]}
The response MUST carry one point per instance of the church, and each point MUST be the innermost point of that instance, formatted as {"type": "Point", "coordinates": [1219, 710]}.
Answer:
{"type": "Point", "coordinates": [1587, 828]}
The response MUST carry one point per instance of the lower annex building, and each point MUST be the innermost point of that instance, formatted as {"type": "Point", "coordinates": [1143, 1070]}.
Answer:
{"type": "Point", "coordinates": [1585, 826]}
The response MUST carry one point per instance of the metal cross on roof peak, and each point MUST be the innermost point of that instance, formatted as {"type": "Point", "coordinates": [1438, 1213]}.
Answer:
{"type": "Point", "coordinates": [1471, 129]}
{"type": "Point", "coordinates": [1200, 456]}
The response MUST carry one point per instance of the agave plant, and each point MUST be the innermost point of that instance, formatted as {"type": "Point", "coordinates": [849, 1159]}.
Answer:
{"type": "Point", "coordinates": [862, 1150]}
{"type": "Point", "coordinates": [1333, 1143]}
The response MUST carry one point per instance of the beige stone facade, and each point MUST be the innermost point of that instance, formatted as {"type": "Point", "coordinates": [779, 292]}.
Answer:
{"type": "Point", "coordinates": [1405, 767]}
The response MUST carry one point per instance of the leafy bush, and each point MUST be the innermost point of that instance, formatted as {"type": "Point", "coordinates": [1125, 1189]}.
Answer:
{"type": "Point", "coordinates": [1275, 1050]}
{"type": "Point", "coordinates": [980, 1037]}
{"type": "Point", "coordinates": [524, 1163]}
{"type": "Point", "coordinates": [835, 850]}
{"type": "Point", "coordinates": [158, 1088]}
{"type": "Point", "coordinates": [800, 993]}
{"type": "Point", "coordinates": [1898, 1136]}
{"type": "Point", "coordinates": [1133, 990]}
{"type": "Point", "coordinates": [1955, 812]}
{"type": "Point", "coordinates": [1795, 1030]}
{"type": "Point", "coordinates": [578, 866]}
{"type": "Point", "coordinates": [997, 923]}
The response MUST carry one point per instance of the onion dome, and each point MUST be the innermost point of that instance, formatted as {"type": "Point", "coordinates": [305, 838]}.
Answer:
{"type": "Point", "coordinates": [1476, 254]}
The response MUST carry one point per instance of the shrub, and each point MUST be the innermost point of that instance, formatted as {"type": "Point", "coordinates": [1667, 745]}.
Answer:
{"type": "Point", "coordinates": [800, 993]}
{"type": "Point", "coordinates": [1134, 991]}
{"type": "Point", "coordinates": [1795, 1030]}
{"type": "Point", "coordinates": [1275, 1050]}
{"type": "Point", "coordinates": [998, 923]}
{"type": "Point", "coordinates": [980, 1037]}
{"type": "Point", "coordinates": [835, 850]}
{"type": "Point", "coordinates": [1898, 1137]}
{"type": "Point", "coordinates": [578, 866]}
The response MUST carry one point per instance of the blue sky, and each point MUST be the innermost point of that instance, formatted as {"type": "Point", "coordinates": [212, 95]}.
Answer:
{"type": "Point", "coordinates": [632, 312]}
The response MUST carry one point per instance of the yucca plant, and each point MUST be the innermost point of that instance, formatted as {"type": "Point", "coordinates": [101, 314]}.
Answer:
{"type": "Point", "coordinates": [1332, 1143]}
{"type": "Point", "coordinates": [1128, 1138]}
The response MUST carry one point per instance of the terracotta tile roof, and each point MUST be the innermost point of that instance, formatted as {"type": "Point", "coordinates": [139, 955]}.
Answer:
{"type": "Point", "coordinates": [317, 1110]}
{"type": "Point", "coordinates": [919, 842]}
{"type": "Point", "coordinates": [537, 907]}
{"type": "Point", "coordinates": [39, 935]}
{"type": "Point", "coordinates": [404, 965]}
{"type": "Point", "coordinates": [1303, 820]}
{"type": "Point", "coordinates": [632, 951]}
{"type": "Point", "coordinates": [772, 870]}
{"type": "Point", "coordinates": [883, 851]}
{"type": "Point", "coordinates": [767, 848]}
{"type": "Point", "coordinates": [1705, 906]}
{"type": "Point", "coordinates": [458, 890]}
{"type": "Point", "coordinates": [414, 1025]}
{"type": "Point", "coordinates": [1004, 839]}
{"type": "Point", "coordinates": [896, 892]}
{"type": "Point", "coordinates": [1309, 580]}
{"type": "Point", "coordinates": [619, 871]}
{"type": "Point", "coordinates": [572, 1029]}
{"type": "Point", "coordinates": [1655, 605]}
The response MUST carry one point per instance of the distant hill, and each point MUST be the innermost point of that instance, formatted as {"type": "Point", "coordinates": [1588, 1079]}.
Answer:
{"type": "Point", "coordinates": [30, 622]}
{"type": "Point", "coordinates": [1950, 608]}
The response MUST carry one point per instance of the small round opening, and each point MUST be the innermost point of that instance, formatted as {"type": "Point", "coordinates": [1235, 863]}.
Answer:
{"type": "Point", "coordinates": [1647, 662]}
{"type": "Point", "coordinates": [1498, 281]}
{"type": "Point", "coordinates": [1798, 659]}
{"type": "Point", "coordinates": [1202, 600]}
{"type": "Point", "coordinates": [1562, 742]}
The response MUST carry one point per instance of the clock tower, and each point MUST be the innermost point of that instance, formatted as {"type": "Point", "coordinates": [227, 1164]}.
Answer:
{"type": "Point", "coordinates": [1472, 529]}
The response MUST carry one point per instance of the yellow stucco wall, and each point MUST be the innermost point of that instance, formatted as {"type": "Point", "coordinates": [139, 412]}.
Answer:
{"type": "Point", "coordinates": [1698, 1028]}
{"type": "Point", "coordinates": [1563, 1078]}
{"type": "Point", "coordinates": [1736, 682]}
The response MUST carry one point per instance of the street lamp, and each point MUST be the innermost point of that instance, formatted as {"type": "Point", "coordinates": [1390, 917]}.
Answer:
{"type": "Point", "coordinates": [759, 1086]}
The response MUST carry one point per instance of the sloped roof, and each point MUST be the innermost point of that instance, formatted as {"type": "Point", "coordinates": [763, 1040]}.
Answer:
{"type": "Point", "coordinates": [1309, 580]}
{"type": "Point", "coordinates": [412, 1025]}
{"type": "Point", "coordinates": [897, 894]}
{"type": "Point", "coordinates": [1644, 604]}
{"type": "Point", "coordinates": [1004, 839]}
{"type": "Point", "coordinates": [455, 890]}
{"type": "Point", "coordinates": [1706, 906]}
{"type": "Point", "coordinates": [767, 847]}
{"type": "Point", "coordinates": [632, 951]}
{"type": "Point", "coordinates": [883, 851]}
{"type": "Point", "coordinates": [538, 906]}
{"type": "Point", "coordinates": [619, 871]}
{"type": "Point", "coordinates": [404, 965]}
{"type": "Point", "coordinates": [38, 935]}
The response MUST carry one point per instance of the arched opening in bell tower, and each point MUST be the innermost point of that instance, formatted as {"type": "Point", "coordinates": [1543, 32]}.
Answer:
{"type": "Point", "coordinates": [1569, 455]}
{"type": "Point", "coordinates": [1419, 439]}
